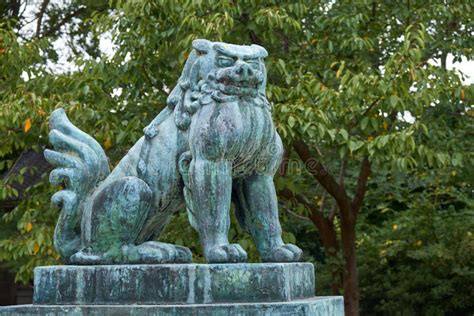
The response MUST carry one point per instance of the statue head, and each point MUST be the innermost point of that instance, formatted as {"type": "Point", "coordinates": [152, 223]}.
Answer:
{"type": "Point", "coordinates": [232, 69]}
{"type": "Point", "coordinates": [219, 72]}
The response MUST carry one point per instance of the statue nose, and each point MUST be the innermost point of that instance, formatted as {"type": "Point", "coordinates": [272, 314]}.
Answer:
{"type": "Point", "coordinates": [244, 71]}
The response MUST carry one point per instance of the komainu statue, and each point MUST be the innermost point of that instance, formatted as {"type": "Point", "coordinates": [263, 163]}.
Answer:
{"type": "Point", "coordinates": [213, 144]}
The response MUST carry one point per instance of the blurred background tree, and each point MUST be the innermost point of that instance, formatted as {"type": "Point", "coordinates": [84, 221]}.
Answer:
{"type": "Point", "coordinates": [377, 181]}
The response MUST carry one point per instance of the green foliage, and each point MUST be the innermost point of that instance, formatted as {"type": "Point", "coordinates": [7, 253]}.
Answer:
{"type": "Point", "coordinates": [181, 233]}
{"type": "Point", "coordinates": [30, 226]}
{"type": "Point", "coordinates": [422, 260]}
{"type": "Point", "coordinates": [342, 76]}
{"type": "Point", "coordinates": [418, 259]}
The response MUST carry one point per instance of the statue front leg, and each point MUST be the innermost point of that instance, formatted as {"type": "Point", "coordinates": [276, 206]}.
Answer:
{"type": "Point", "coordinates": [257, 209]}
{"type": "Point", "coordinates": [211, 186]}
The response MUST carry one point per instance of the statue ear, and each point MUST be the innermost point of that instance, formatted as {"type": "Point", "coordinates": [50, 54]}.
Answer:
{"type": "Point", "coordinates": [201, 45]}
{"type": "Point", "coordinates": [259, 50]}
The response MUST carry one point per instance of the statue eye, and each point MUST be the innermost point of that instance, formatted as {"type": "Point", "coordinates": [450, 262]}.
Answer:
{"type": "Point", "coordinates": [255, 64]}
{"type": "Point", "coordinates": [223, 61]}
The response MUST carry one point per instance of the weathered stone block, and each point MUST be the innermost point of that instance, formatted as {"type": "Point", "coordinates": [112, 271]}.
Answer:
{"type": "Point", "coordinates": [173, 284]}
{"type": "Point", "coordinates": [316, 306]}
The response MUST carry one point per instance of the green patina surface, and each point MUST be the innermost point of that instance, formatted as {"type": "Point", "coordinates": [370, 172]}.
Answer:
{"type": "Point", "coordinates": [178, 289]}
{"type": "Point", "coordinates": [317, 306]}
{"type": "Point", "coordinates": [173, 283]}
{"type": "Point", "coordinates": [214, 143]}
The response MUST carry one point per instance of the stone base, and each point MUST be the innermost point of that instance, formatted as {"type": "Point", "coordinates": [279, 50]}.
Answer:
{"type": "Point", "coordinates": [169, 284]}
{"type": "Point", "coordinates": [316, 306]}
{"type": "Point", "coordinates": [178, 289]}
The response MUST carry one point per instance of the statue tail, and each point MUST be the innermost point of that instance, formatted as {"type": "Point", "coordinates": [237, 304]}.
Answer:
{"type": "Point", "coordinates": [79, 164]}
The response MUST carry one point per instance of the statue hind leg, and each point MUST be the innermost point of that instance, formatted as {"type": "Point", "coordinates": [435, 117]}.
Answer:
{"type": "Point", "coordinates": [115, 219]}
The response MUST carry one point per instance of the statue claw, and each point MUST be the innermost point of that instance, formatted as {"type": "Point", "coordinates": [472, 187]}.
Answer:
{"type": "Point", "coordinates": [231, 253]}
{"type": "Point", "coordinates": [183, 254]}
{"type": "Point", "coordinates": [83, 257]}
{"type": "Point", "coordinates": [284, 253]}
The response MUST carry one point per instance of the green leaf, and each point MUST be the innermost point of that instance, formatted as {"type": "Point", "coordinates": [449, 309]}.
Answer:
{"type": "Point", "coordinates": [457, 160]}
{"type": "Point", "coordinates": [394, 100]}
{"type": "Point", "coordinates": [364, 123]}
{"type": "Point", "coordinates": [291, 121]}
{"type": "Point", "coordinates": [355, 145]}
{"type": "Point", "coordinates": [344, 134]}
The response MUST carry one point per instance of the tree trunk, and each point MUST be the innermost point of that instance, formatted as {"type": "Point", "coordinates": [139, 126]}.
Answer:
{"type": "Point", "coordinates": [348, 212]}
{"type": "Point", "coordinates": [350, 277]}
{"type": "Point", "coordinates": [444, 57]}
{"type": "Point", "coordinates": [327, 234]}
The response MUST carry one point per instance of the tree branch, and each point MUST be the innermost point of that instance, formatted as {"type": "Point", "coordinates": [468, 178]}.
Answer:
{"type": "Point", "coordinates": [327, 233]}
{"type": "Point", "coordinates": [369, 108]}
{"type": "Point", "coordinates": [332, 212]}
{"type": "Point", "coordinates": [255, 39]}
{"type": "Point", "coordinates": [288, 194]}
{"type": "Point", "coordinates": [317, 216]}
{"type": "Point", "coordinates": [147, 77]}
{"type": "Point", "coordinates": [320, 173]}
{"type": "Point", "coordinates": [58, 25]}
{"type": "Point", "coordinates": [342, 172]}
{"type": "Point", "coordinates": [321, 207]}
{"type": "Point", "coordinates": [303, 218]}
{"type": "Point", "coordinates": [361, 185]}
{"type": "Point", "coordinates": [40, 15]}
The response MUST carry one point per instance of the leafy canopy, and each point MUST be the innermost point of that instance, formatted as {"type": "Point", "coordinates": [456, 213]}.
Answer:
{"type": "Point", "coordinates": [352, 80]}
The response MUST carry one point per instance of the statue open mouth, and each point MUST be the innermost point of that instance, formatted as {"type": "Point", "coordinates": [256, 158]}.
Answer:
{"type": "Point", "coordinates": [238, 76]}
{"type": "Point", "coordinates": [239, 88]}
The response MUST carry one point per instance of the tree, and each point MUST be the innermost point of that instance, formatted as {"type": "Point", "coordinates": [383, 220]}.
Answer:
{"type": "Point", "coordinates": [375, 71]}
{"type": "Point", "coordinates": [416, 245]}
{"type": "Point", "coordinates": [352, 87]}
{"type": "Point", "coordinates": [29, 90]}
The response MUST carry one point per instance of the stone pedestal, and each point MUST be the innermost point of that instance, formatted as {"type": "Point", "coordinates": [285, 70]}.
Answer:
{"type": "Point", "coordinates": [177, 289]}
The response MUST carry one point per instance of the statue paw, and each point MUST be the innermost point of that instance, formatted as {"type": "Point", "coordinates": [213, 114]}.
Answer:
{"type": "Point", "coordinates": [230, 253]}
{"type": "Point", "coordinates": [284, 253]}
{"type": "Point", "coordinates": [83, 257]}
{"type": "Point", "coordinates": [150, 252]}
{"type": "Point", "coordinates": [154, 252]}
{"type": "Point", "coordinates": [183, 254]}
